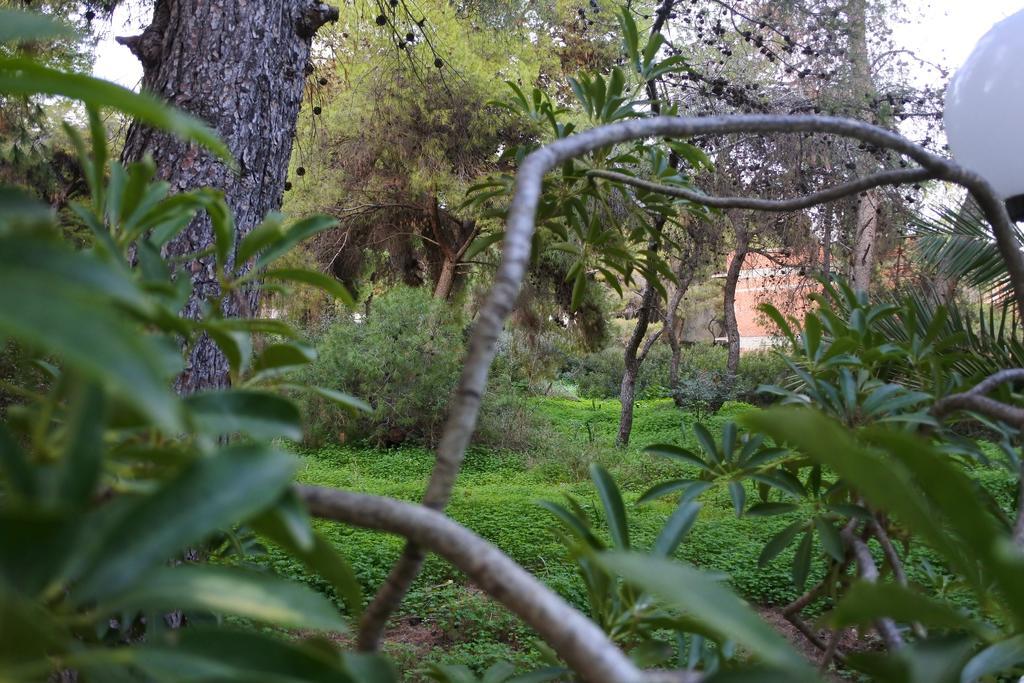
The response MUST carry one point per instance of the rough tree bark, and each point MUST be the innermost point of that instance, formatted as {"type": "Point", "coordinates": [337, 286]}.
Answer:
{"type": "Point", "coordinates": [241, 67]}
{"type": "Point", "coordinates": [732, 276]}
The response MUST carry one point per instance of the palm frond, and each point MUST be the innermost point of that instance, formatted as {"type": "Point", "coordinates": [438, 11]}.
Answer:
{"type": "Point", "coordinates": [958, 244]}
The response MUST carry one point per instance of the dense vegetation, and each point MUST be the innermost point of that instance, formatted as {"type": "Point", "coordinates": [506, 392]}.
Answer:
{"type": "Point", "coordinates": [216, 431]}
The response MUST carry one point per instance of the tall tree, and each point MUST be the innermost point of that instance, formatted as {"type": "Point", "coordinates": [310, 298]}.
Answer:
{"type": "Point", "coordinates": [241, 67]}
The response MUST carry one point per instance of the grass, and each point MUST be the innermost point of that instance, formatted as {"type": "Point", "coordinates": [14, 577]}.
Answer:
{"type": "Point", "coordinates": [496, 495]}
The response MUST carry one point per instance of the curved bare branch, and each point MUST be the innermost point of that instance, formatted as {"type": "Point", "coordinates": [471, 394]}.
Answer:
{"type": "Point", "coordinates": [576, 639]}
{"type": "Point", "coordinates": [893, 177]}
{"type": "Point", "coordinates": [465, 404]}
{"type": "Point", "coordinates": [975, 399]}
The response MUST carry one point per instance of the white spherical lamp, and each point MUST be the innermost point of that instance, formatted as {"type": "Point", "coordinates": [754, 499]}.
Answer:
{"type": "Point", "coordinates": [984, 112]}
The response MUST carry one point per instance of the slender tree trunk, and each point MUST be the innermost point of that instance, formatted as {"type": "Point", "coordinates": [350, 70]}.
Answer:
{"type": "Point", "coordinates": [686, 270]}
{"type": "Point", "coordinates": [241, 67]}
{"type": "Point", "coordinates": [633, 358]}
{"type": "Point", "coordinates": [862, 85]}
{"type": "Point", "coordinates": [732, 276]}
{"type": "Point", "coordinates": [864, 242]}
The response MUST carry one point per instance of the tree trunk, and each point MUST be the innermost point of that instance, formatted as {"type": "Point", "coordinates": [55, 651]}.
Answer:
{"type": "Point", "coordinates": [241, 67]}
{"type": "Point", "coordinates": [732, 276]}
{"type": "Point", "coordinates": [633, 359]}
{"type": "Point", "coordinates": [445, 280]}
{"type": "Point", "coordinates": [864, 242]}
{"type": "Point", "coordinates": [862, 85]}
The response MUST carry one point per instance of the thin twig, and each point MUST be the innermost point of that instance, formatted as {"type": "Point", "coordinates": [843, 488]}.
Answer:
{"type": "Point", "coordinates": [893, 177]}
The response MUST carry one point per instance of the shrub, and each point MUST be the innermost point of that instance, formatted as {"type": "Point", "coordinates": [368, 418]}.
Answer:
{"type": "Point", "coordinates": [404, 358]}
{"type": "Point", "coordinates": [401, 358]}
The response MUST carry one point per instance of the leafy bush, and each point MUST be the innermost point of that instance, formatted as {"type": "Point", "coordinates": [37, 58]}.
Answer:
{"type": "Point", "coordinates": [401, 358]}
{"type": "Point", "coordinates": [404, 358]}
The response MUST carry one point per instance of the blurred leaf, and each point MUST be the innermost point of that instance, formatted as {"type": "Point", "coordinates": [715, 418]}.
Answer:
{"type": "Point", "coordinates": [995, 659]}
{"type": "Point", "coordinates": [211, 494]}
{"type": "Point", "coordinates": [326, 283]}
{"type": "Point", "coordinates": [230, 590]}
{"type": "Point", "coordinates": [24, 27]}
{"type": "Point", "coordinates": [318, 555]}
{"type": "Point", "coordinates": [690, 590]}
{"type": "Point", "coordinates": [26, 77]}
{"type": "Point", "coordinates": [259, 414]}
{"type": "Point", "coordinates": [866, 602]}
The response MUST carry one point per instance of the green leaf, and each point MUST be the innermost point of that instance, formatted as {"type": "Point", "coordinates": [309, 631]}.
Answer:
{"type": "Point", "coordinates": [24, 27]}
{"type": "Point", "coordinates": [287, 355]}
{"type": "Point", "coordinates": [677, 453]}
{"type": "Point", "coordinates": [707, 442]}
{"type": "Point", "coordinates": [802, 560]}
{"type": "Point", "coordinates": [258, 414]}
{"type": "Point", "coordinates": [20, 474]}
{"type": "Point", "coordinates": [611, 500]}
{"type": "Point", "coordinates": [739, 497]}
{"type": "Point", "coordinates": [769, 509]}
{"type": "Point", "coordinates": [230, 590]}
{"type": "Point", "coordinates": [675, 529]}
{"type": "Point", "coordinates": [481, 244]}
{"type": "Point", "coordinates": [68, 308]}
{"type": "Point", "coordinates": [579, 288]}
{"type": "Point", "coordinates": [866, 602]}
{"type": "Point", "coordinates": [323, 282]}
{"type": "Point", "coordinates": [1000, 658]}
{"type": "Point", "coordinates": [691, 489]}
{"type": "Point", "coordinates": [26, 77]}
{"type": "Point", "coordinates": [211, 494]}
{"type": "Point", "coordinates": [200, 654]}
{"type": "Point", "coordinates": [707, 601]}
{"type": "Point", "coordinates": [83, 458]}
{"type": "Point", "coordinates": [778, 543]}
{"type": "Point", "coordinates": [338, 397]}
{"type": "Point", "coordinates": [296, 233]}
{"type": "Point", "coordinates": [830, 539]}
